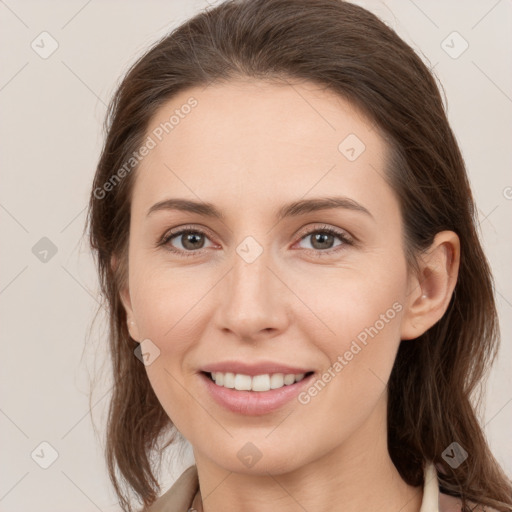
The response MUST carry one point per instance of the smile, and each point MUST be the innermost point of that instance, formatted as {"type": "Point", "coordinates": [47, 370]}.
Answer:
{"type": "Point", "coordinates": [264, 382]}
{"type": "Point", "coordinates": [254, 395]}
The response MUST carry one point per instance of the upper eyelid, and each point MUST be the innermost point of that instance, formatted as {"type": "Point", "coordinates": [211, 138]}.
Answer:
{"type": "Point", "coordinates": [324, 227]}
{"type": "Point", "coordinates": [171, 233]}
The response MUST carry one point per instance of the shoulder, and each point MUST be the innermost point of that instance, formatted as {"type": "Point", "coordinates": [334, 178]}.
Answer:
{"type": "Point", "coordinates": [179, 497]}
{"type": "Point", "coordinates": [449, 503]}
{"type": "Point", "coordinates": [437, 500]}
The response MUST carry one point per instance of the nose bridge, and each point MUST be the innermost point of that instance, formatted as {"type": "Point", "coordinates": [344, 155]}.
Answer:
{"type": "Point", "coordinates": [249, 277]}
{"type": "Point", "coordinates": [251, 300]}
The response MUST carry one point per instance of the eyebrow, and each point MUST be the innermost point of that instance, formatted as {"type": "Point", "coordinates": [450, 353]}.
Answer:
{"type": "Point", "coordinates": [293, 209]}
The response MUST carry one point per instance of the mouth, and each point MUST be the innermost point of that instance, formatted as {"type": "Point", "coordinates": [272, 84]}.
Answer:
{"type": "Point", "coordinates": [254, 395]}
{"type": "Point", "coordinates": [258, 383]}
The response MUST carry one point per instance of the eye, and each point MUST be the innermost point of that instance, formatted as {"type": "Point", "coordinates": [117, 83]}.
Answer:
{"type": "Point", "coordinates": [191, 240]}
{"type": "Point", "coordinates": [322, 239]}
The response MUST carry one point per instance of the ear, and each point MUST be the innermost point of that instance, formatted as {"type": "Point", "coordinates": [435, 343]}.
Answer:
{"type": "Point", "coordinates": [124, 295]}
{"type": "Point", "coordinates": [429, 293]}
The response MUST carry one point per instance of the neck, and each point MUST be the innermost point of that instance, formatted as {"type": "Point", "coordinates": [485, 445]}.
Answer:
{"type": "Point", "coordinates": [357, 475]}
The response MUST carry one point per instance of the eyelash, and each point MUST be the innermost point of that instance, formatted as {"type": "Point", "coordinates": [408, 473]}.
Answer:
{"type": "Point", "coordinates": [168, 236]}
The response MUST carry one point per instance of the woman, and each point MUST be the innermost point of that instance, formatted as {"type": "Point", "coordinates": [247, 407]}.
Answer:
{"type": "Point", "coordinates": [285, 235]}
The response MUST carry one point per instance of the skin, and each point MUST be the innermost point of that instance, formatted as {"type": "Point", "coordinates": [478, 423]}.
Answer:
{"type": "Point", "coordinates": [249, 147]}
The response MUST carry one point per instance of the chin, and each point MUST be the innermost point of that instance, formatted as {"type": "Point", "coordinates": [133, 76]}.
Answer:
{"type": "Point", "coordinates": [251, 460]}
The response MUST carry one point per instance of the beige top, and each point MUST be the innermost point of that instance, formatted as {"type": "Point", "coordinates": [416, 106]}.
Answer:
{"type": "Point", "coordinates": [185, 496]}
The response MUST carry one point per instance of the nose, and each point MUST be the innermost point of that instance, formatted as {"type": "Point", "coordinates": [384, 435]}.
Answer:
{"type": "Point", "coordinates": [253, 301]}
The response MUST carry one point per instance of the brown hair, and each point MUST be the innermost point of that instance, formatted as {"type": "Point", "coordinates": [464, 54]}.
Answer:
{"type": "Point", "coordinates": [350, 51]}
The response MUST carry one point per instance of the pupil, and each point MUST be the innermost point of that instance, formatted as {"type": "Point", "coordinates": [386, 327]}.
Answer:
{"type": "Point", "coordinates": [321, 236]}
{"type": "Point", "coordinates": [191, 238]}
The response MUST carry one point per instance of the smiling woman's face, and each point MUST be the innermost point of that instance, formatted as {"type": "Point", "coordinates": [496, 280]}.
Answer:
{"type": "Point", "coordinates": [260, 293]}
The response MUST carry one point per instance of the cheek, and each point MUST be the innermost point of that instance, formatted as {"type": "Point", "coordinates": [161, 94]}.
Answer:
{"type": "Point", "coordinates": [360, 356]}
{"type": "Point", "coordinates": [166, 301]}
{"type": "Point", "coordinates": [347, 305]}
{"type": "Point", "coordinates": [167, 305]}
{"type": "Point", "coordinates": [359, 332]}
{"type": "Point", "coordinates": [167, 383]}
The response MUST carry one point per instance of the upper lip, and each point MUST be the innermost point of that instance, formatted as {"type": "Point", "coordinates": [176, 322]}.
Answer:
{"type": "Point", "coordinates": [252, 369]}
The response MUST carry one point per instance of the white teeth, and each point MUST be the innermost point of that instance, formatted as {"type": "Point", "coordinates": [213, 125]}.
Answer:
{"type": "Point", "coordinates": [229, 380]}
{"type": "Point", "coordinates": [276, 381]}
{"type": "Point", "coordinates": [264, 382]}
{"type": "Point", "coordinates": [242, 382]}
{"type": "Point", "coordinates": [261, 383]}
{"type": "Point", "coordinates": [289, 379]}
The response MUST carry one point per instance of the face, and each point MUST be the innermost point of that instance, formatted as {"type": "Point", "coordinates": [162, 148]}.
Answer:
{"type": "Point", "coordinates": [250, 292]}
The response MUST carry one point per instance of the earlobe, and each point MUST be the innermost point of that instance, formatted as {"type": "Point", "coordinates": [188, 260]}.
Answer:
{"type": "Point", "coordinates": [113, 262]}
{"type": "Point", "coordinates": [124, 295]}
{"type": "Point", "coordinates": [130, 317]}
{"type": "Point", "coordinates": [132, 325]}
{"type": "Point", "coordinates": [431, 290]}
{"type": "Point", "coordinates": [132, 329]}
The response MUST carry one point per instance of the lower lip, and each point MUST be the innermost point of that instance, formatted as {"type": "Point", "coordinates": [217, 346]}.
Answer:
{"type": "Point", "coordinates": [254, 403]}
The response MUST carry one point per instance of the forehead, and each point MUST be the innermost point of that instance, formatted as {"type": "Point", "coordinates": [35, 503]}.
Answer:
{"type": "Point", "coordinates": [254, 141]}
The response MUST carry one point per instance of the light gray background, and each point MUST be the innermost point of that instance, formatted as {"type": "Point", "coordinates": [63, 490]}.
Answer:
{"type": "Point", "coordinates": [51, 134]}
